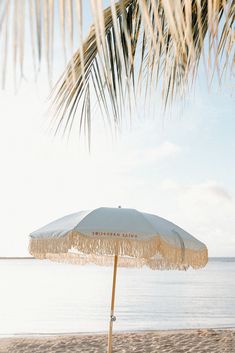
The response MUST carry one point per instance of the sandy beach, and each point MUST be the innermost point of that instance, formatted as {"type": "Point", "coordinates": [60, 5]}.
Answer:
{"type": "Point", "coordinates": [182, 341]}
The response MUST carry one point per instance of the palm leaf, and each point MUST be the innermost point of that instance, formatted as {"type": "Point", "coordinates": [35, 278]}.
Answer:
{"type": "Point", "coordinates": [159, 42]}
{"type": "Point", "coordinates": [133, 49]}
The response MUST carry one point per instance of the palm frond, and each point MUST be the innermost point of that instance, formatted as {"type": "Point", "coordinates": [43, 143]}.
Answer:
{"type": "Point", "coordinates": [111, 50]}
{"type": "Point", "coordinates": [136, 46]}
{"type": "Point", "coordinates": [35, 27]}
{"type": "Point", "coordinates": [133, 49]}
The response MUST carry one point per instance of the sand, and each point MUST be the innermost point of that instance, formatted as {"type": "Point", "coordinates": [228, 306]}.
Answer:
{"type": "Point", "coordinates": [182, 341]}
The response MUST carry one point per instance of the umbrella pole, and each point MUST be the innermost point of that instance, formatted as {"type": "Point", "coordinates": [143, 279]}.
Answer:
{"type": "Point", "coordinates": [112, 317]}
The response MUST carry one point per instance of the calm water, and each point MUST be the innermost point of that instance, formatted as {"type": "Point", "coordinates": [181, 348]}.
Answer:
{"type": "Point", "coordinates": [44, 297]}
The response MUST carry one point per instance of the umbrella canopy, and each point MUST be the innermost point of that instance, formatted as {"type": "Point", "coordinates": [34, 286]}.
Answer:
{"type": "Point", "coordinates": [137, 239]}
{"type": "Point", "coordinates": [118, 236]}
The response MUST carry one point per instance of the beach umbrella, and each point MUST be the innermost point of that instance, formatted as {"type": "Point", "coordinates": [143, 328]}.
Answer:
{"type": "Point", "coordinates": [119, 237]}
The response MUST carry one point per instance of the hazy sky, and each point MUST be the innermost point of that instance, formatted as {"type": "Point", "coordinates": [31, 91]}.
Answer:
{"type": "Point", "coordinates": [180, 166]}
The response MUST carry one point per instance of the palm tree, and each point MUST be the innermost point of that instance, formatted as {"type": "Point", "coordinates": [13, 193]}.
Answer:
{"type": "Point", "coordinates": [133, 47]}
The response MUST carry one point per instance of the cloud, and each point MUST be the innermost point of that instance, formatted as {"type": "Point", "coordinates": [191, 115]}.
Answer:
{"type": "Point", "coordinates": [145, 156]}
{"type": "Point", "coordinates": [206, 210]}
{"type": "Point", "coordinates": [164, 151]}
{"type": "Point", "coordinates": [203, 190]}
{"type": "Point", "coordinates": [216, 190]}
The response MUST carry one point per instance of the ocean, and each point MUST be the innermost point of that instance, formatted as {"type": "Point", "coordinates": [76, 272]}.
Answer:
{"type": "Point", "coordinates": [41, 297]}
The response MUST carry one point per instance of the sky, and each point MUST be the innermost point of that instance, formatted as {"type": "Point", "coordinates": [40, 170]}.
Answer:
{"type": "Point", "coordinates": [179, 166]}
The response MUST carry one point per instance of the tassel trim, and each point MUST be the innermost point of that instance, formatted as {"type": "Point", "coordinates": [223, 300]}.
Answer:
{"type": "Point", "coordinates": [154, 253]}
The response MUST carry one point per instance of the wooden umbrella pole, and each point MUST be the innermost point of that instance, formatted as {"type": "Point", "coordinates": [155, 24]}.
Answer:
{"type": "Point", "coordinates": [112, 317]}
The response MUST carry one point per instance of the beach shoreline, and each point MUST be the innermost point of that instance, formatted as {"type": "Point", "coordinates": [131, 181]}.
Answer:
{"type": "Point", "coordinates": [163, 341]}
{"type": "Point", "coordinates": [117, 332]}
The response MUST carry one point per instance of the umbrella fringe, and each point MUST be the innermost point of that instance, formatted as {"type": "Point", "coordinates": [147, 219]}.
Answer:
{"type": "Point", "coordinates": [155, 253]}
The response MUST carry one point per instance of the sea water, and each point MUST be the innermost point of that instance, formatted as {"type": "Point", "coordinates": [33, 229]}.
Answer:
{"type": "Point", "coordinates": [41, 297]}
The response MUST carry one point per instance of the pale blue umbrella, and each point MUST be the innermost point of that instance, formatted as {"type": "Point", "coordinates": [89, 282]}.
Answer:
{"type": "Point", "coordinates": [118, 236]}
